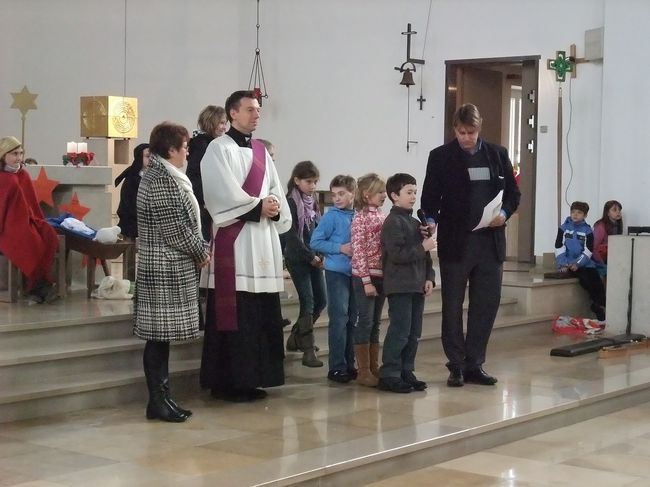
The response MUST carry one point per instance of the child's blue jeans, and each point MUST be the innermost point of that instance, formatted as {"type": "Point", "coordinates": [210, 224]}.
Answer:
{"type": "Point", "coordinates": [342, 312]}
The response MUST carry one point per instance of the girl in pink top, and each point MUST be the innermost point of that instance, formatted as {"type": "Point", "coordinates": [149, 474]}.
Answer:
{"type": "Point", "coordinates": [611, 223]}
{"type": "Point", "coordinates": [367, 279]}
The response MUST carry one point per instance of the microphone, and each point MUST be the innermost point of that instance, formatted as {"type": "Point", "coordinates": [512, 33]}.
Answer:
{"type": "Point", "coordinates": [423, 219]}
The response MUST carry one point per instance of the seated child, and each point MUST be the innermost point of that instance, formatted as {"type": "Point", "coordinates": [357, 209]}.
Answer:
{"type": "Point", "coordinates": [611, 223]}
{"type": "Point", "coordinates": [26, 239]}
{"type": "Point", "coordinates": [574, 246]}
{"type": "Point", "coordinates": [408, 278]}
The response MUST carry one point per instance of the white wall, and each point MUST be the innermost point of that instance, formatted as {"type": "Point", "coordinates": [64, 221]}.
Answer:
{"type": "Point", "coordinates": [334, 96]}
{"type": "Point", "coordinates": [625, 164]}
{"type": "Point", "coordinates": [181, 56]}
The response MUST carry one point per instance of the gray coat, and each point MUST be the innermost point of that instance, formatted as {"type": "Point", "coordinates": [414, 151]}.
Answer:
{"type": "Point", "coordinates": [406, 265]}
{"type": "Point", "coordinates": [170, 247]}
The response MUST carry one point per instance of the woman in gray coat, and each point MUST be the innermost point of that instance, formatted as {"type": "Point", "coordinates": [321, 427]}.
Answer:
{"type": "Point", "coordinates": [171, 252]}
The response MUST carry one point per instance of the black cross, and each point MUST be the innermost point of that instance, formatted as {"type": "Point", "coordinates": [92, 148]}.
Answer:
{"type": "Point", "coordinates": [421, 100]}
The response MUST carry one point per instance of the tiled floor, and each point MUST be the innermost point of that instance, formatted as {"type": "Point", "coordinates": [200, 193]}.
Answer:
{"type": "Point", "coordinates": [310, 424]}
{"type": "Point", "coordinates": [611, 450]}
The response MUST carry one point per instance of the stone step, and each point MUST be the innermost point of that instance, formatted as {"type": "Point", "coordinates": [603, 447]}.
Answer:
{"type": "Point", "coordinates": [89, 390]}
{"type": "Point", "coordinates": [38, 364]}
{"type": "Point", "coordinates": [108, 372]}
{"type": "Point", "coordinates": [19, 336]}
{"type": "Point", "coordinates": [35, 366]}
{"type": "Point", "coordinates": [430, 326]}
{"type": "Point", "coordinates": [72, 348]}
{"type": "Point", "coordinates": [294, 367]}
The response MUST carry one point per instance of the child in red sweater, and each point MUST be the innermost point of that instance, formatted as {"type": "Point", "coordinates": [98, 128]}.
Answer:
{"type": "Point", "coordinates": [367, 277]}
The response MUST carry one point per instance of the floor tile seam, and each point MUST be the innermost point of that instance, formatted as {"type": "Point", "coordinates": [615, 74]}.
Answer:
{"type": "Point", "coordinates": [533, 464]}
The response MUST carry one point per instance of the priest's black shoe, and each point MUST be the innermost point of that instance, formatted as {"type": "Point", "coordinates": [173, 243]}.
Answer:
{"type": "Point", "coordinates": [239, 395]}
{"type": "Point", "coordinates": [409, 377]}
{"type": "Point", "coordinates": [394, 384]}
{"type": "Point", "coordinates": [455, 378]}
{"type": "Point", "coordinates": [479, 376]}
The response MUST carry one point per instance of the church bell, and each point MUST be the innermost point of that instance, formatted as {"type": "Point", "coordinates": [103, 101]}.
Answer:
{"type": "Point", "coordinates": [407, 78]}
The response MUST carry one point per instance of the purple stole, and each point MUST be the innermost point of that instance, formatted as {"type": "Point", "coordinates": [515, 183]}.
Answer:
{"type": "Point", "coordinates": [225, 293]}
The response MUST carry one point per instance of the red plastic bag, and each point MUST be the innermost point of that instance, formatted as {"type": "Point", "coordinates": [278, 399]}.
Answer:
{"type": "Point", "coordinates": [572, 325]}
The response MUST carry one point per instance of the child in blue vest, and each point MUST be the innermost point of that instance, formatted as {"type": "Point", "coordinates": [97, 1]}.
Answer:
{"type": "Point", "coordinates": [574, 246]}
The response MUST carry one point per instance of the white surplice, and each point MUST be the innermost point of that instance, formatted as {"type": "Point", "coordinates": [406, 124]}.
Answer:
{"type": "Point", "coordinates": [258, 256]}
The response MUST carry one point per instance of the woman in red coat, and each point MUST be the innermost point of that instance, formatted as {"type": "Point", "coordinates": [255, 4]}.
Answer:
{"type": "Point", "coordinates": [26, 239]}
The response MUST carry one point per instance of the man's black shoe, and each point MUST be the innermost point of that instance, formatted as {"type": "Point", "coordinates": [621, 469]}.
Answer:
{"type": "Point", "coordinates": [455, 378]}
{"type": "Point", "coordinates": [409, 377]}
{"type": "Point", "coordinates": [394, 384]}
{"type": "Point", "coordinates": [340, 376]}
{"type": "Point", "coordinates": [479, 376]}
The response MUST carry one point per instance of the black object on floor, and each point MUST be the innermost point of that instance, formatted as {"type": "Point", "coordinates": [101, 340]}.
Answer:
{"type": "Point", "coordinates": [628, 336]}
{"type": "Point", "coordinates": [590, 346]}
{"type": "Point", "coordinates": [575, 349]}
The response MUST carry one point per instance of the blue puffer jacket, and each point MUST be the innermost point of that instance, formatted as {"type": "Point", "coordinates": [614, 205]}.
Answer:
{"type": "Point", "coordinates": [327, 238]}
{"type": "Point", "coordinates": [574, 244]}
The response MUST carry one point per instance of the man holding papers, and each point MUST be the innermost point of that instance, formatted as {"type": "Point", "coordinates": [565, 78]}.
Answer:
{"type": "Point", "coordinates": [469, 191]}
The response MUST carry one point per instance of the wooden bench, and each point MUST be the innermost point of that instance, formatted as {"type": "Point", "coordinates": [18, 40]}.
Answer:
{"type": "Point", "coordinates": [94, 250]}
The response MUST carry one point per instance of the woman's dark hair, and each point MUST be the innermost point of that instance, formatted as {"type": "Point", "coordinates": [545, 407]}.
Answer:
{"type": "Point", "coordinates": [302, 170]}
{"type": "Point", "coordinates": [166, 136]}
{"type": "Point", "coordinates": [137, 156]}
{"type": "Point", "coordinates": [612, 228]}
{"type": "Point", "coordinates": [136, 165]}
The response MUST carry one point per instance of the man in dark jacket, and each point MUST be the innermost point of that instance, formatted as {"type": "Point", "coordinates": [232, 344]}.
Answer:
{"type": "Point", "coordinates": [469, 191]}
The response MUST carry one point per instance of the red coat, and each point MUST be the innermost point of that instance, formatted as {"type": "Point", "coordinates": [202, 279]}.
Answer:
{"type": "Point", "coordinates": [26, 239]}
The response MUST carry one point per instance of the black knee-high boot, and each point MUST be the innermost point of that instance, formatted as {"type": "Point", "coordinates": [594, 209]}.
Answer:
{"type": "Point", "coordinates": [165, 384]}
{"type": "Point", "coordinates": [159, 406]}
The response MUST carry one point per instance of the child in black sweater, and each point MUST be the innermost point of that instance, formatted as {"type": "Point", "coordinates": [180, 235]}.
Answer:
{"type": "Point", "coordinates": [408, 278]}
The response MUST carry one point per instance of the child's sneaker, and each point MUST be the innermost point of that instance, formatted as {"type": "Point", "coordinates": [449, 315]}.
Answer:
{"type": "Point", "coordinates": [409, 377]}
{"type": "Point", "coordinates": [340, 376]}
{"type": "Point", "coordinates": [394, 384]}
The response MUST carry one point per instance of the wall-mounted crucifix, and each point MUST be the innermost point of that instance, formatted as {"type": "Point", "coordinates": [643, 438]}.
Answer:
{"type": "Point", "coordinates": [407, 69]}
{"type": "Point", "coordinates": [575, 60]}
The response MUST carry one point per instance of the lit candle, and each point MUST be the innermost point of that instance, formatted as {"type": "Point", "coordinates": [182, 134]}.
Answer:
{"type": "Point", "coordinates": [82, 147]}
{"type": "Point", "coordinates": [72, 147]}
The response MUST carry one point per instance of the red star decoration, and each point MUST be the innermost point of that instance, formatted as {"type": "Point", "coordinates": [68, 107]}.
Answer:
{"type": "Point", "coordinates": [44, 187]}
{"type": "Point", "coordinates": [76, 208]}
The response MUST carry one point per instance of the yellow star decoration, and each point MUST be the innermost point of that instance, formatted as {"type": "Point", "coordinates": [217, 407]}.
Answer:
{"type": "Point", "coordinates": [24, 101]}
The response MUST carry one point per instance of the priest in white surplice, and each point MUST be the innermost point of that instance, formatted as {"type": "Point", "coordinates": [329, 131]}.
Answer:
{"type": "Point", "coordinates": [243, 348]}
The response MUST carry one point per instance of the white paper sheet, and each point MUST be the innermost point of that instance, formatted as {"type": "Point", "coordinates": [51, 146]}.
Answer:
{"type": "Point", "coordinates": [490, 211]}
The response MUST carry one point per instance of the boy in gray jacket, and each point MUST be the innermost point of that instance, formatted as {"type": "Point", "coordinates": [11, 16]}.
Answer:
{"type": "Point", "coordinates": [408, 278]}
